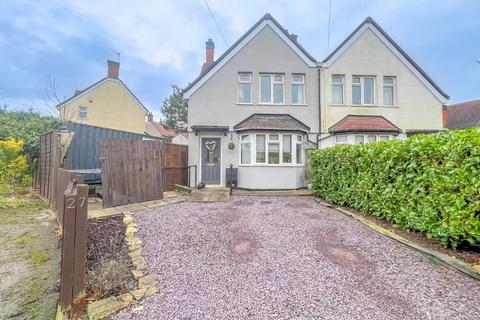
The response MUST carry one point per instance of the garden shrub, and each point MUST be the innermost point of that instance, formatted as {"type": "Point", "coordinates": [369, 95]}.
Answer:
{"type": "Point", "coordinates": [427, 183]}
{"type": "Point", "coordinates": [14, 169]}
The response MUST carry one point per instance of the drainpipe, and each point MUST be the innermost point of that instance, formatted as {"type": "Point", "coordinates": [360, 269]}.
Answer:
{"type": "Point", "coordinates": [319, 107]}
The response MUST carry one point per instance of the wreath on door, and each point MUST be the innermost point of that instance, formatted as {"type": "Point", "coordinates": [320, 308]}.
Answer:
{"type": "Point", "coordinates": [211, 145]}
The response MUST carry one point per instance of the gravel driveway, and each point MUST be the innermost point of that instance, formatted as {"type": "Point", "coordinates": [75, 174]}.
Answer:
{"type": "Point", "coordinates": [288, 258]}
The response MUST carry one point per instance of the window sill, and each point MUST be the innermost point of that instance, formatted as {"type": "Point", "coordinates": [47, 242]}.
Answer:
{"type": "Point", "coordinates": [244, 104]}
{"type": "Point", "coordinates": [283, 165]}
{"type": "Point", "coordinates": [299, 104]}
{"type": "Point", "coordinates": [365, 105]}
{"type": "Point", "coordinates": [387, 106]}
{"type": "Point", "coordinates": [338, 105]}
{"type": "Point", "coordinates": [272, 104]}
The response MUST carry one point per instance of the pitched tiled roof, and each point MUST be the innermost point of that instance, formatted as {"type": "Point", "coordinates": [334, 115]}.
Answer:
{"type": "Point", "coordinates": [463, 115]}
{"type": "Point", "coordinates": [360, 123]}
{"type": "Point", "coordinates": [162, 130]}
{"type": "Point", "coordinates": [81, 92]}
{"type": "Point", "coordinates": [267, 16]}
{"type": "Point", "coordinates": [385, 34]}
{"type": "Point", "coordinates": [264, 121]}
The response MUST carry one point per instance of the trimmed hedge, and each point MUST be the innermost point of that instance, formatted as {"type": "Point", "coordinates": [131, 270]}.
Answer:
{"type": "Point", "coordinates": [428, 183]}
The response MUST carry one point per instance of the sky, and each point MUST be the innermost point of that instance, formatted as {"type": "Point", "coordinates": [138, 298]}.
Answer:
{"type": "Point", "coordinates": [162, 42]}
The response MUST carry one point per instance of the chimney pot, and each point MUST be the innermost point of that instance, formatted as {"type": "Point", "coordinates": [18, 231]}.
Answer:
{"type": "Point", "coordinates": [113, 69]}
{"type": "Point", "coordinates": [209, 54]}
{"type": "Point", "coordinates": [150, 117]}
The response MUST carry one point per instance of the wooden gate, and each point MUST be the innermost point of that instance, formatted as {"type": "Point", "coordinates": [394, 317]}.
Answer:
{"type": "Point", "coordinates": [175, 165]}
{"type": "Point", "coordinates": [131, 171]}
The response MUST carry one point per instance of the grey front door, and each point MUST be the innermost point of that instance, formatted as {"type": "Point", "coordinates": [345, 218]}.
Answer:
{"type": "Point", "coordinates": [211, 160]}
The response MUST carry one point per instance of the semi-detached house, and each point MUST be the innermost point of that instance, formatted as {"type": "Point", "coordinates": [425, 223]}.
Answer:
{"type": "Point", "coordinates": [266, 100]}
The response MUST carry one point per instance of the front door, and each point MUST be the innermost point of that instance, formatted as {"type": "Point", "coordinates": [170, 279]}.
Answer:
{"type": "Point", "coordinates": [211, 160]}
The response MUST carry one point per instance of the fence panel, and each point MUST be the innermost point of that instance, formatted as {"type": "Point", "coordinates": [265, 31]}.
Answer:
{"type": "Point", "coordinates": [175, 165]}
{"type": "Point", "coordinates": [131, 171]}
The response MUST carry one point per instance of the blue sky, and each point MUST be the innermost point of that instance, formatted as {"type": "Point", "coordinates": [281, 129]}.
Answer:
{"type": "Point", "coordinates": [163, 42]}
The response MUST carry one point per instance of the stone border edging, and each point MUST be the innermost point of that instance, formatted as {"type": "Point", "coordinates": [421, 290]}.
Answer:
{"type": "Point", "coordinates": [436, 256]}
{"type": "Point", "coordinates": [146, 284]}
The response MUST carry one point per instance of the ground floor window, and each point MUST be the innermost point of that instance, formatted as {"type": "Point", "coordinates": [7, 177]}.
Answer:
{"type": "Point", "coordinates": [361, 138]}
{"type": "Point", "coordinates": [272, 148]}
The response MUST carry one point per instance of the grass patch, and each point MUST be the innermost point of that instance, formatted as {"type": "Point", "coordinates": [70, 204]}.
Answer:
{"type": "Point", "coordinates": [27, 199]}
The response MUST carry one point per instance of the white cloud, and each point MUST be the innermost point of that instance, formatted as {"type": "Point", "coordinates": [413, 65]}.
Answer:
{"type": "Point", "coordinates": [159, 33]}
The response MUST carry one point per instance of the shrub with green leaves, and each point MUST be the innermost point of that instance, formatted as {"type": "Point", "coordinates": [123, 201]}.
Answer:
{"type": "Point", "coordinates": [428, 183]}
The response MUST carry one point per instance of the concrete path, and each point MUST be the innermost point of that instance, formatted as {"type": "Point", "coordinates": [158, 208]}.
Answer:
{"type": "Point", "coordinates": [288, 258]}
{"type": "Point", "coordinates": [210, 195]}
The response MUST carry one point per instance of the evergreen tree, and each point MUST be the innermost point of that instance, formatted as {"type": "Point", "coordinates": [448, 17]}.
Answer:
{"type": "Point", "coordinates": [174, 111]}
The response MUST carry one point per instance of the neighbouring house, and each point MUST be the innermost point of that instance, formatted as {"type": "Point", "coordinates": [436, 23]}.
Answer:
{"type": "Point", "coordinates": [108, 103]}
{"type": "Point", "coordinates": [156, 129]}
{"type": "Point", "coordinates": [463, 115]}
{"type": "Point", "coordinates": [266, 100]}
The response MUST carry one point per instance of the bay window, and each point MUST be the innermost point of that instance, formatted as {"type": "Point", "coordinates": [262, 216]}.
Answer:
{"type": "Point", "coordinates": [244, 88]}
{"type": "Point", "coordinates": [260, 148]}
{"type": "Point", "coordinates": [363, 90]}
{"type": "Point", "coordinates": [298, 89]}
{"type": "Point", "coordinates": [287, 148]}
{"type": "Point", "coordinates": [271, 149]}
{"type": "Point", "coordinates": [299, 149]}
{"type": "Point", "coordinates": [359, 139]}
{"type": "Point", "coordinates": [271, 88]}
{"type": "Point", "coordinates": [245, 149]}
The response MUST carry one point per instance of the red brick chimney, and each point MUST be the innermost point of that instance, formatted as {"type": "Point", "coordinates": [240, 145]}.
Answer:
{"type": "Point", "coordinates": [150, 117]}
{"type": "Point", "coordinates": [444, 116]}
{"type": "Point", "coordinates": [209, 54]}
{"type": "Point", "coordinates": [113, 69]}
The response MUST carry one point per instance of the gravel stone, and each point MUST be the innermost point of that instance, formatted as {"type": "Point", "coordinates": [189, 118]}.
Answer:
{"type": "Point", "coordinates": [288, 258]}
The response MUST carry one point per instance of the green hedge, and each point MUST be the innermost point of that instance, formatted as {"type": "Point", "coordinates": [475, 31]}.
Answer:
{"type": "Point", "coordinates": [428, 183]}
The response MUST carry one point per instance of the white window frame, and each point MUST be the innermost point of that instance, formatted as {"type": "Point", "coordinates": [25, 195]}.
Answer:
{"type": "Point", "coordinates": [245, 82]}
{"type": "Point", "coordinates": [341, 142]}
{"type": "Point", "coordinates": [302, 83]}
{"type": "Point", "coordinates": [359, 135]}
{"type": "Point", "coordinates": [378, 137]}
{"type": "Point", "coordinates": [82, 109]}
{"type": "Point", "coordinates": [268, 139]}
{"type": "Point", "coordinates": [394, 93]}
{"type": "Point", "coordinates": [338, 84]}
{"type": "Point", "coordinates": [249, 141]}
{"type": "Point", "coordinates": [299, 142]}
{"type": "Point", "coordinates": [362, 93]}
{"type": "Point", "coordinates": [272, 82]}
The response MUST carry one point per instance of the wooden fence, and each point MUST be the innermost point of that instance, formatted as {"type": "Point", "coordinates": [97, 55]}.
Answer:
{"type": "Point", "coordinates": [131, 171]}
{"type": "Point", "coordinates": [74, 248]}
{"type": "Point", "coordinates": [175, 162]}
{"type": "Point", "coordinates": [48, 162]}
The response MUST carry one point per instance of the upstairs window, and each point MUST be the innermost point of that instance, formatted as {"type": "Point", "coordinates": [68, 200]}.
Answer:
{"type": "Point", "coordinates": [244, 88]}
{"type": "Point", "coordinates": [338, 85]}
{"type": "Point", "coordinates": [271, 88]}
{"type": "Point", "coordinates": [298, 89]}
{"type": "Point", "coordinates": [388, 91]}
{"type": "Point", "coordinates": [363, 90]}
{"type": "Point", "coordinates": [82, 112]}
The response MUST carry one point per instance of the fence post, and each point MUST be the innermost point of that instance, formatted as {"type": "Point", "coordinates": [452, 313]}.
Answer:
{"type": "Point", "coordinates": [78, 293]}
{"type": "Point", "coordinates": [74, 247]}
{"type": "Point", "coordinates": [68, 245]}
